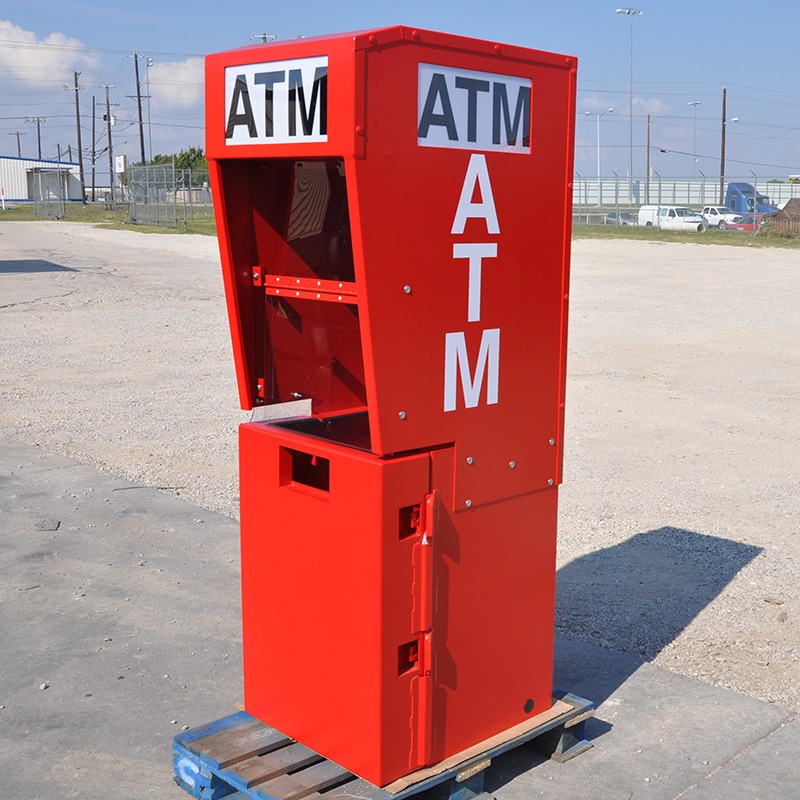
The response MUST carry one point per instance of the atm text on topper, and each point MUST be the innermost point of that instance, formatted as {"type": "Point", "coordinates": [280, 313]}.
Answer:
{"type": "Point", "coordinates": [475, 111]}
{"type": "Point", "coordinates": [277, 102]}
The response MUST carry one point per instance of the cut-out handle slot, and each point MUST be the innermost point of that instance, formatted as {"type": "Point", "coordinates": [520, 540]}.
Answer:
{"type": "Point", "coordinates": [305, 469]}
{"type": "Point", "coordinates": [407, 657]}
{"type": "Point", "coordinates": [409, 521]}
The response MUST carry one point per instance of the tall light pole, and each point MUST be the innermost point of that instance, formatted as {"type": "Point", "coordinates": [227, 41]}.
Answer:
{"type": "Point", "coordinates": [631, 13]}
{"type": "Point", "coordinates": [149, 63]}
{"type": "Point", "coordinates": [599, 184]}
{"type": "Point", "coordinates": [694, 104]}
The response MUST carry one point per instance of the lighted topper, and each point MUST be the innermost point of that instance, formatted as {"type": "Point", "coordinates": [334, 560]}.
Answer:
{"type": "Point", "coordinates": [473, 110]}
{"type": "Point", "coordinates": [277, 102]}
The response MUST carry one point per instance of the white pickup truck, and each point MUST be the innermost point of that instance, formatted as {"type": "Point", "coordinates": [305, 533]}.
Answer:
{"type": "Point", "coordinates": [720, 216]}
{"type": "Point", "coordinates": [672, 218]}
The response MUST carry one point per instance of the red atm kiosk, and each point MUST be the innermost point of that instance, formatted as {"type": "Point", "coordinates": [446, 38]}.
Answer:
{"type": "Point", "coordinates": [393, 209]}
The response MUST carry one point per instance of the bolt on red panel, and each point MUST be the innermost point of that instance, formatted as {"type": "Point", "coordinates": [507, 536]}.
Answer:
{"type": "Point", "coordinates": [393, 209]}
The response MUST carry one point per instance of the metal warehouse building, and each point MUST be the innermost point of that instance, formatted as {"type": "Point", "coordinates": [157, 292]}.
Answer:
{"type": "Point", "coordinates": [25, 179]}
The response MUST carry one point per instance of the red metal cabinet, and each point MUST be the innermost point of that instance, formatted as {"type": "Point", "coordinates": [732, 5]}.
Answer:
{"type": "Point", "coordinates": [394, 209]}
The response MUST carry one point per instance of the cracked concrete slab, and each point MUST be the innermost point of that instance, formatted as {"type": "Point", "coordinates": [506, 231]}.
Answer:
{"type": "Point", "coordinates": [129, 613]}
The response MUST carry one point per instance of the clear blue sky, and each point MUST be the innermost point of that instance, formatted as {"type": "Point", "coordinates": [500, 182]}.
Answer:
{"type": "Point", "coordinates": [683, 52]}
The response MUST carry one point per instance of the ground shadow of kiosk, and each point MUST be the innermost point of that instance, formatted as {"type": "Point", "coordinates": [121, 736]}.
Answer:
{"type": "Point", "coordinates": [393, 209]}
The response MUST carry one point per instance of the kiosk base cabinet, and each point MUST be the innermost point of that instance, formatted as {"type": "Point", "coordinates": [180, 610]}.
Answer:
{"type": "Point", "coordinates": [381, 628]}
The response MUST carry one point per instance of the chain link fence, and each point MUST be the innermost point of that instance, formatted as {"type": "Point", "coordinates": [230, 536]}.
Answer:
{"type": "Point", "coordinates": [165, 196]}
{"type": "Point", "coordinates": [593, 200]}
{"type": "Point", "coordinates": [160, 194]}
{"type": "Point", "coordinates": [49, 193]}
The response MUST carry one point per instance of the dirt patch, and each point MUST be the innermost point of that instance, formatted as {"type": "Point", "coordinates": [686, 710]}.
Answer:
{"type": "Point", "coordinates": [678, 528]}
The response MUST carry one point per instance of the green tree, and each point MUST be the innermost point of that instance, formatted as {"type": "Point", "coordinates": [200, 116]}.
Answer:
{"type": "Point", "coordinates": [193, 158]}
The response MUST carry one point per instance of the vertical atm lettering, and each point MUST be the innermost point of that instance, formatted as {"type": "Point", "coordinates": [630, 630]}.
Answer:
{"type": "Point", "coordinates": [393, 210]}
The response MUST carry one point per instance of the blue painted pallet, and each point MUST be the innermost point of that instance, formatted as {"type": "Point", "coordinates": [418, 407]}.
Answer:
{"type": "Point", "coordinates": [240, 758]}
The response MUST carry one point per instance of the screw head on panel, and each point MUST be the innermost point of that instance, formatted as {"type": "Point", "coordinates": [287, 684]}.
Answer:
{"type": "Point", "coordinates": [407, 289]}
{"type": "Point", "coordinates": [469, 459]}
{"type": "Point", "coordinates": [468, 503]}
{"type": "Point", "coordinates": [549, 481]}
{"type": "Point", "coordinates": [402, 415]}
{"type": "Point", "coordinates": [512, 464]}
{"type": "Point", "coordinates": [552, 443]}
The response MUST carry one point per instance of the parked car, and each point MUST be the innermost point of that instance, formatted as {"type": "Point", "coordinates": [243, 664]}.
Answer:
{"type": "Point", "coordinates": [648, 215]}
{"type": "Point", "coordinates": [672, 218]}
{"type": "Point", "coordinates": [621, 218]}
{"type": "Point", "coordinates": [720, 216]}
{"type": "Point", "coordinates": [744, 224]}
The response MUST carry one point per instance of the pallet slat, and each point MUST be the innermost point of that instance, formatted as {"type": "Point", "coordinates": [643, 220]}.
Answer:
{"type": "Point", "coordinates": [357, 788]}
{"type": "Point", "coordinates": [301, 784]}
{"type": "Point", "coordinates": [258, 769]}
{"type": "Point", "coordinates": [229, 747]}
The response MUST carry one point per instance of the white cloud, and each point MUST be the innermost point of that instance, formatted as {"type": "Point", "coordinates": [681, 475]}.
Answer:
{"type": "Point", "coordinates": [594, 103]}
{"type": "Point", "coordinates": [176, 84]}
{"type": "Point", "coordinates": [650, 105]}
{"type": "Point", "coordinates": [29, 59]}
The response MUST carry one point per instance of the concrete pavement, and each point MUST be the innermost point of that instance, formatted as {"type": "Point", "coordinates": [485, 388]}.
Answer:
{"type": "Point", "coordinates": [120, 626]}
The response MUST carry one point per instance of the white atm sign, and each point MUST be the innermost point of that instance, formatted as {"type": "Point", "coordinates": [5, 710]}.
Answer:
{"type": "Point", "coordinates": [277, 102]}
{"type": "Point", "coordinates": [473, 110]}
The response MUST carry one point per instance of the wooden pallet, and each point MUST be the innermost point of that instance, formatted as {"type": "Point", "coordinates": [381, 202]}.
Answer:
{"type": "Point", "coordinates": [241, 758]}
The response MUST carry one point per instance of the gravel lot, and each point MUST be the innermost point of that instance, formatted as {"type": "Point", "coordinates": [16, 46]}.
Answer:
{"type": "Point", "coordinates": [678, 532]}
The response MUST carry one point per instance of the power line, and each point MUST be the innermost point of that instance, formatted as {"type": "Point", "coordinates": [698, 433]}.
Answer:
{"type": "Point", "coordinates": [67, 48]}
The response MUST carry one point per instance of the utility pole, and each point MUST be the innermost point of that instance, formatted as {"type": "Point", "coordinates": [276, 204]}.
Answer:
{"type": "Point", "coordinates": [94, 144]}
{"type": "Point", "coordinates": [37, 121]}
{"type": "Point", "coordinates": [110, 148]}
{"type": "Point", "coordinates": [139, 104]}
{"type": "Point", "coordinates": [19, 147]}
{"type": "Point", "coordinates": [76, 88]}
